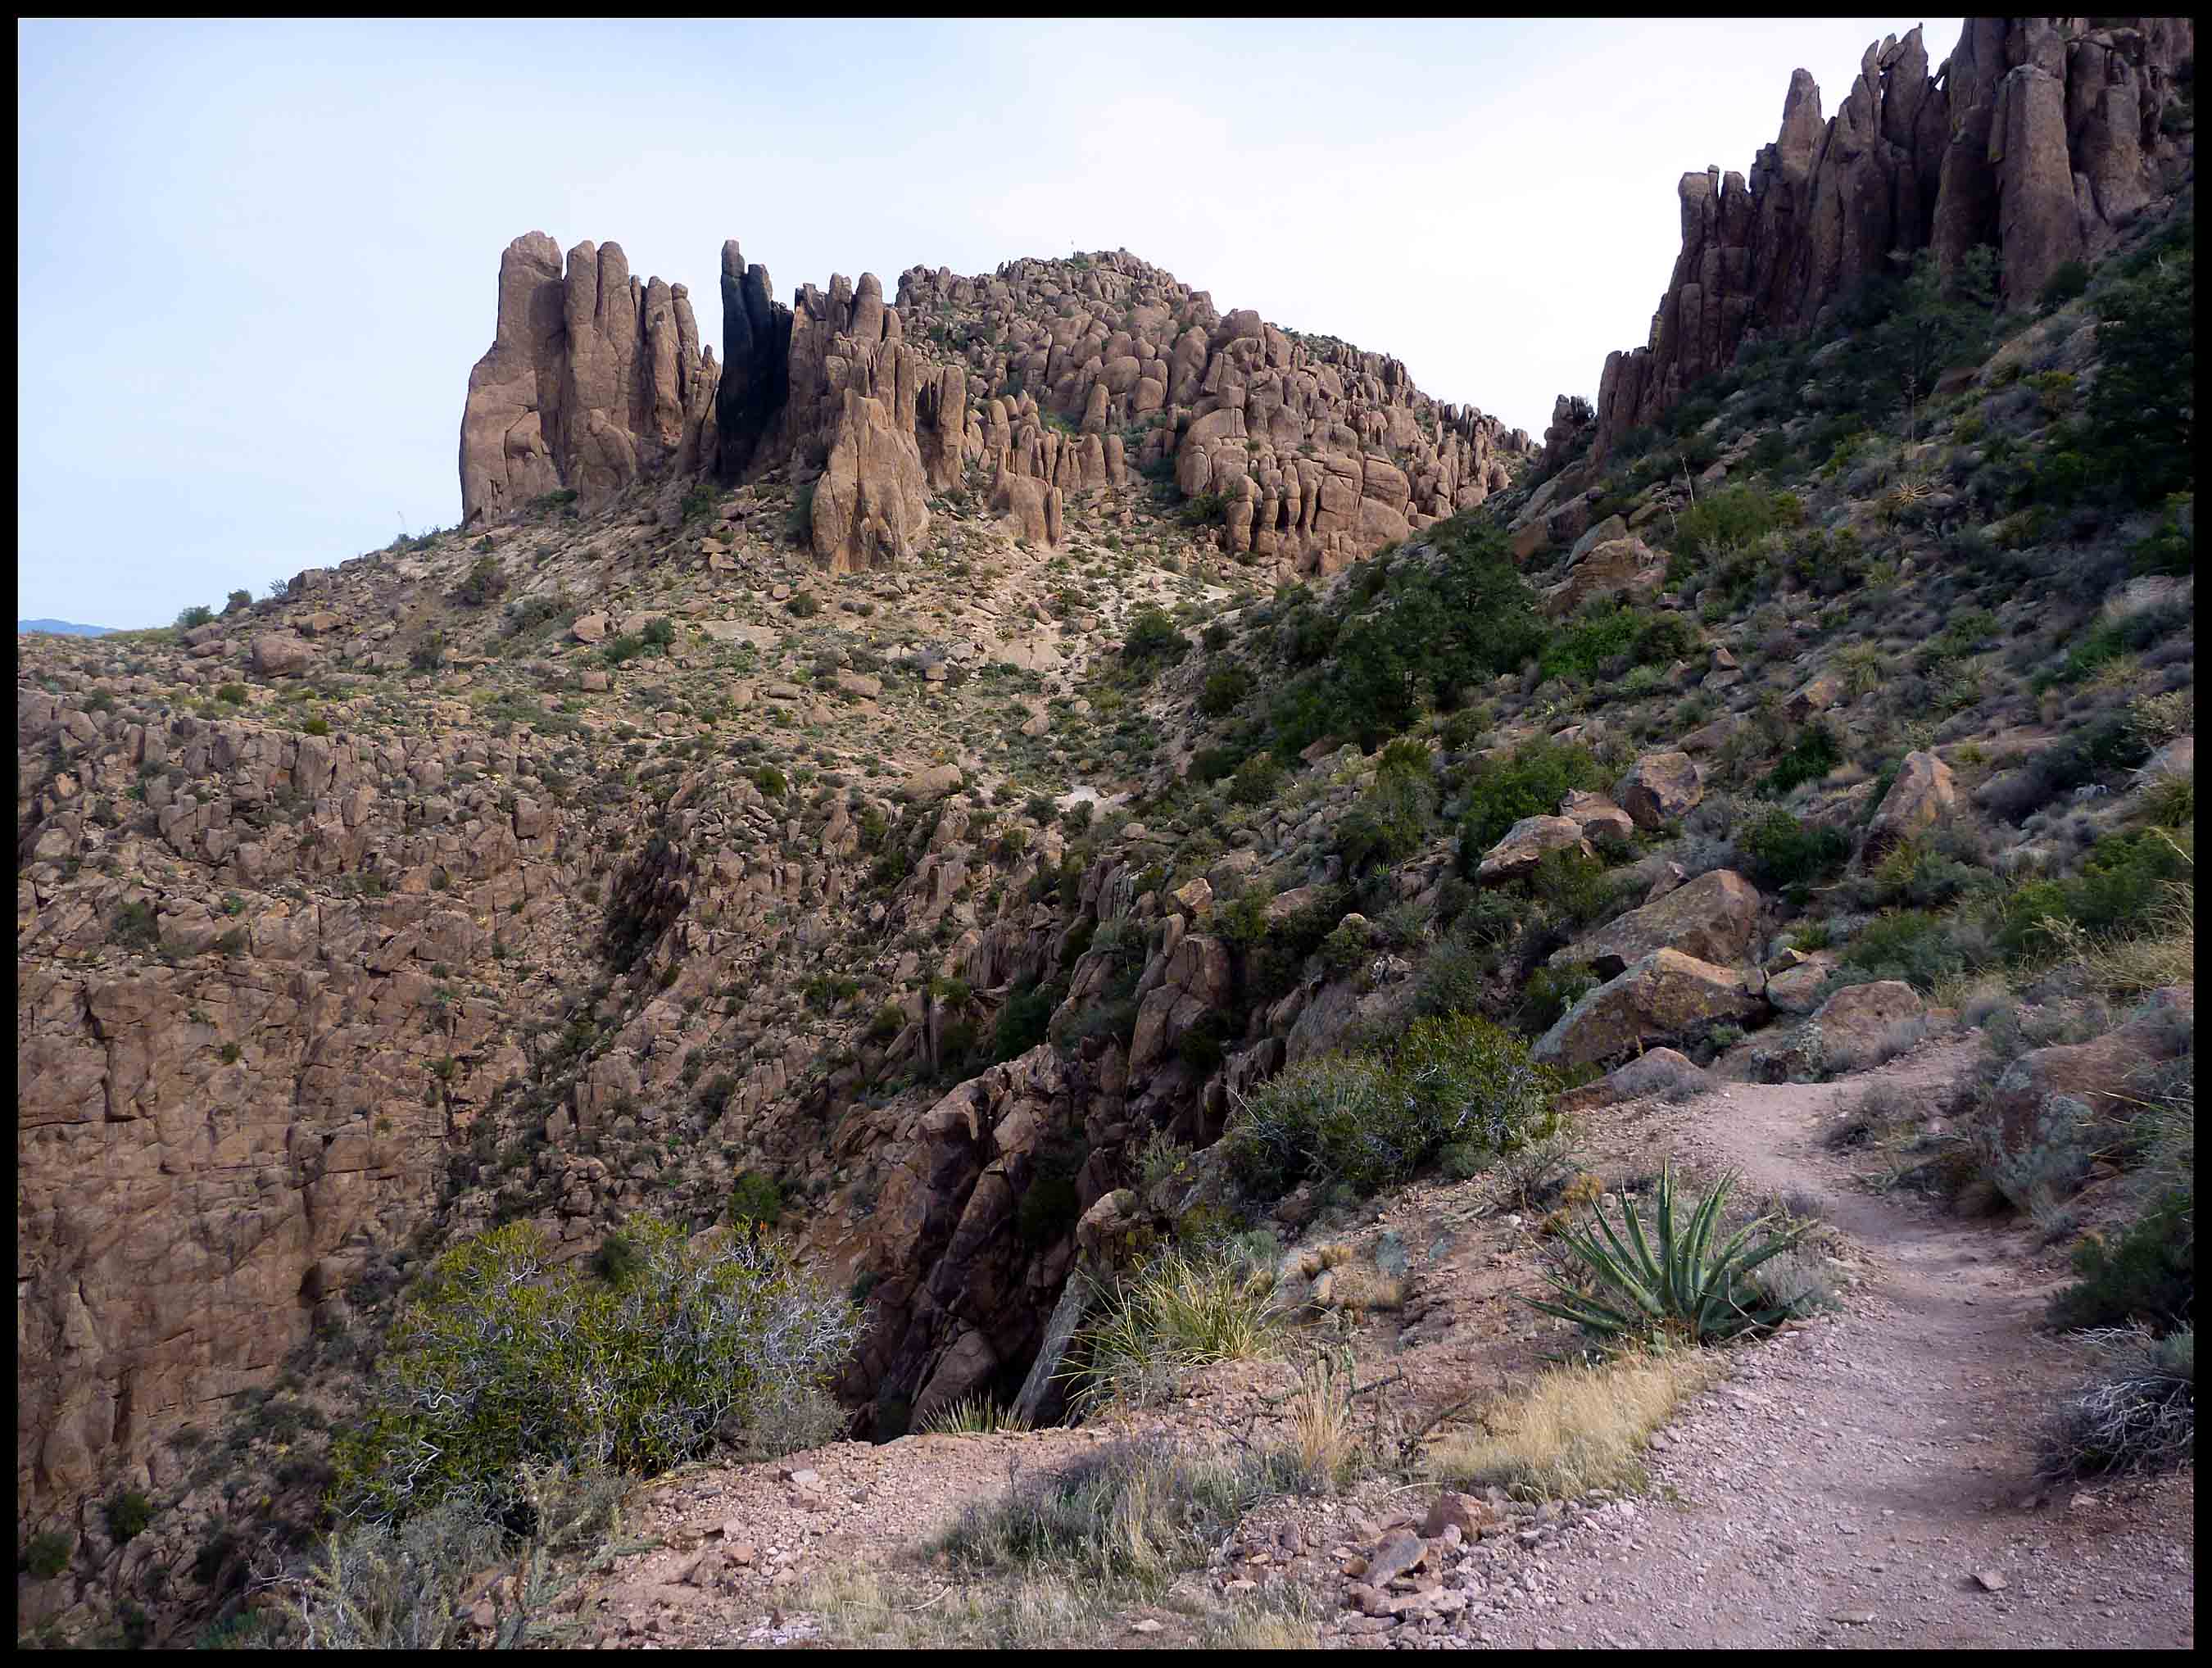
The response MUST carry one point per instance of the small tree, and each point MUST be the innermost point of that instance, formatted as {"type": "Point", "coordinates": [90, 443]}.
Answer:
{"type": "Point", "coordinates": [198, 614]}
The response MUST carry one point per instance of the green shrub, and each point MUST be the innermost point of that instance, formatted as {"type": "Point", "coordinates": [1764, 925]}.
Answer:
{"type": "Point", "coordinates": [770, 781]}
{"type": "Point", "coordinates": [1532, 782]}
{"type": "Point", "coordinates": [804, 604]}
{"type": "Point", "coordinates": [2147, 1276]}
{"type": "Point", "coordinates": [1023, 1021]}
{"type": "Point", "coordinates": [500, 1356]}
{"type": "Point", "coordinates": [1152, 644]}
{"type": "Point", "coordinates": [1052, 1203]}
{"type": "Point", "coordinates": [486, 581]}
{"type": "Point", "coordinates": [1179, 1313]}
{"type": "Point", "coordinates": [1367, 1121]}
{"type": "Point", "coordinates": [316, 726]}
{"type": "Point", "coordinates": [47, 1552]}
{"type": "Point", "coordinates": [197, 615]}
{"type": "Point", "coordinates": [1808, 759]}
{"type": "Point", "coordinates": [133, 926]}
{"type": "Point", "coordinates": [1785, 852]}
{"type": "Point", "coordinates": [231, 694]}
{"type": "Point", "coordinates": [127, 1515]}
{"type": "Point", "coordinates": [799, 525]}
{"type": "Point", "coordinates": [1225, 687]}
{"type": "Point", "coordinates": [1919, 947]}
{"type": "Point", "coordinates": [2070, 279]}
{"type": "Point", "coordinates": [698, 501]}
{"type": "Point", "coordinates": [1255, 780]}
{"type": "Point", "coordinates": [756, 1197]}
{"type": "Point", "coordinates": [2125, 882]}
{"type": "Point", "coordinates": [1677, 1285]}
{"type": "Point", "coordinates": [2140, 431]}
{"type": "Point", "coordinates": [658, 632]}
{"type": "Point", "coordinates": [1390, 819]}
{"type": "Point", "coordinates": [1722, 522]}
{"type": "Point", "coordinates": [428, 653]}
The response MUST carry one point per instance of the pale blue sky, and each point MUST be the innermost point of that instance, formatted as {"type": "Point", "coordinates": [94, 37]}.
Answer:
{"type": "Point", "coordinates": [256, 260]}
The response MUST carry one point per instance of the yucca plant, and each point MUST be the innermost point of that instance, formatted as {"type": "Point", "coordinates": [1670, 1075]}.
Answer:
{"type": "Point", "coordinates": [1676, 1282]}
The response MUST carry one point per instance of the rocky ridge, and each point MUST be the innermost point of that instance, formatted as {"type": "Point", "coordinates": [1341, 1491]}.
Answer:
{"type": "Point", "coordinates": [1046, 378]}
{"type": "Point", "coordinates": [2042, 137]}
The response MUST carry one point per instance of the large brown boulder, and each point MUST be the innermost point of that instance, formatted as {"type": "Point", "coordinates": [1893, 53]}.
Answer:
{"type": "Point", "coordinates": [1923, 795]}
{"type": "Point", "coordinates": [1660, 787]}
{"type": "Point", "coordinates": [1861, 1023]}
{"type": "Point", "coordinates": [1524, 846]}
{"type": "Point", "coordinates": [279, 654]}
{"type": "Point", "coordinates": [2103, 1073]}
{"type": "Point", "coordinates": [1195, 982]}
{"type": "Point", "coordinates": [1619, 567]}
{"type": "Point", "coordinates": [1665, 997]}
{"type": "Point", "coordinates": [1712, 917]}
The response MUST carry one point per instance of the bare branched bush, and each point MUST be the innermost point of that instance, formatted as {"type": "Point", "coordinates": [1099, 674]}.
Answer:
{"type": "Point", "coordinates": [2136, 1414]}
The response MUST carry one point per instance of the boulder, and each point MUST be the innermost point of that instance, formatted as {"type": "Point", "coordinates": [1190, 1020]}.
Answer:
{"type": "Point", "coordinates": [1598, 816]}
{"type": "Point", "coordinates": [872, 503]}
{"type": "Point", "coordinates": [589, 627]}
{"type": "Point", "coordinates": [279, 654]}
{"type": "Point", "coordinates": [1619, 567]}
{"type": "Point", "coordinates": [2099, 1073]}
{"type": "Point", "coordinates": [1815, 695]}
{"type": "Point", "coordinates": [1664, 998]}
{"type": "Point", "coordinates": [1854, 1027]}
{"type": "Point", "coordinates": [1923, 795]}
{"type": "Point", "coordinates": [1712, 917]}
{"type": "Point", "coordinates": [1611, 528]}
{"type": "Point", "coordinates": [933, 784]}
{"type": "Point", "coordinates": [1660, 787]}
{"type": "Point", "coordinates": [1652, 1072]}
{"type": "Point", "coordinates": [1797, 989]}
{"type": "Point", "coordinates": [1524, 846]}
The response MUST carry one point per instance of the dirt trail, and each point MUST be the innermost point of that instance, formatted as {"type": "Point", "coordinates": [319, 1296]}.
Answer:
{"type": "Point", "coordinates": [1850, 1480]}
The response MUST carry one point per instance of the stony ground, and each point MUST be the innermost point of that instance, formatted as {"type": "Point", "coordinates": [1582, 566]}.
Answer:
{"type": "Point", "coordinates": [1863, 1479]}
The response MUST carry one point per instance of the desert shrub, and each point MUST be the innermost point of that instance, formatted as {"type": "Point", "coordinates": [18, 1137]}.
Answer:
{"type": "Point", "coordinates": [1390, 819]}
{"type": "Point", "coordinates": [1256, 780]}
{"type": "Point", "coordinates": [1532, 782]}
{"type": "Point", "coordinates": [1918, 947]}
{"type": "Point", "coordinates": [1605, 640]}
{"type": "Point", "coordinates": [698, 501]}
{"type": "Point", "coordinates": [658, 632]}
{"type": "Point", "coordinates": [2136, 1414]}
{"type": "Point", "coordinates": [428, 653]}
{"type": "Point", "coordinates": [197, 615]}
{"type": "Point", "coordinates": [1549, 992]}
{"type": "Point", "coordinates": [1367, 1121]}
{"type": "Point", "coordinates": [1225, 687]}
{"type": "Point", "coordinates": [1811, 756]}
{"type": "Point", "coordinates": [126, 1515]}
{"type": "Point", "coordinates": [1785, 852]}
{"type": "Point", "coordinates": [1735, 516]}
{"type": "Point", "coordinates": [485, 581]}
{"type": "Point", "coordinates": [2127, 883]}
{"type": "Point", "coordinates": [133, 926]}
{"type": "Point", "coordinates": [802, 605]}
{"type": "Point", "coordinates": [316, 726]}
{"type": "Point", "coordinates": [1129, 1515]}
{"type": "Point", "coordinates": [1021, 1023]}
{"type": "Point", "coordinates": [1420, 634]}
{"type": "Point", "coordinates": [1677, 1284]}
{"type": "Point", "coordinates": [771, 781]}
{"type": "Point", "coordinates": [2139, 432]}
{"type": "Point", "coordinates": [499, 1358]}
{"type": "Point", "coordinates": [47, 1552]}
{"type": "Point", "coordinates": [757, 1196]}
{"type": "Point", "coordinates": [2041, 1165]}
{"type": "Point", "coordinates": [1152, 644]}
{"type": "Point", "coordinates": [2147, 1276]}
{"type": "Point", "coordinates": [1178, 1313]}
{"type": "Point", "coordinates": [799, 524]}
{"type": "Point", "coordinates": [2068, 280]}
{"type": "Point", "coordinates": [231, 694]}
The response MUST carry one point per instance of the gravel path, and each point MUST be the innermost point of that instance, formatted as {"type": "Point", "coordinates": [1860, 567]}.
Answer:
{"type": "Point", "coordinates": [1865, 1480]}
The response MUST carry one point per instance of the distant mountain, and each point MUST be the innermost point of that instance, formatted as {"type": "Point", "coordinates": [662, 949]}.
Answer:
{"type": "Point", "coordinates": [64, 629]}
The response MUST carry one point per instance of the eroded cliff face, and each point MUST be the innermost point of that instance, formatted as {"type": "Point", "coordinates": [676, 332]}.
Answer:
{"type": "Point", "coordinates": [1046, 378]}
{"type": "Point", "coordinates": [2041, 137]}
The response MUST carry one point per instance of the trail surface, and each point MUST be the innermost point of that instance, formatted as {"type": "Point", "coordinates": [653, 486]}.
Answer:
{"type": "Point", "coordinates": [1851, 1482]}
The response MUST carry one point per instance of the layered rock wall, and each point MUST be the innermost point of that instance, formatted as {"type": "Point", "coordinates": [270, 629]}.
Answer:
{"type": "Point", "coordinates": [2041, 136]}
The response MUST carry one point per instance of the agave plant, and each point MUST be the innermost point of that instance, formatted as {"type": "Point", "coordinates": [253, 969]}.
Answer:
{"type": "Point", "coordinates": [1676, 1282]}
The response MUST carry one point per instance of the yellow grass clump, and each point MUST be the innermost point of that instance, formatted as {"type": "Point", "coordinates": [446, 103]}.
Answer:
{"type": "Point", "coordinates": [1573, 1429]}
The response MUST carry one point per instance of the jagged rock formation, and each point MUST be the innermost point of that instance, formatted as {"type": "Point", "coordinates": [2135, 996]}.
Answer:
{"type": "Point", "coordinates": [1048, 372]}
{"type": "Point", "coordinates": [1320, 453]}
{"type": "Point", "coordinates": [590, 380]}
{"type": "Point", "coordinates": [2042, 136]}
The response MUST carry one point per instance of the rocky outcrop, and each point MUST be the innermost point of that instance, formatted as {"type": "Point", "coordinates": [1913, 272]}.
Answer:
{"type": "Point", "coordinates": [1712, 917]}
{"type": "Point", "coordinates": [1317, 452]}
{"type": "Point", "coordinates": [2041, 137]}
{"type": "Point", "coordinates": [872, 503]}
{"type": "Point", "coordinates": [1664, 998]}
{"type": "Point", "coordinates": [1524, 846]}
{"type": "Point", "coordinates": [1660, 787]}
{"type": "Point", "coordinates": [593, 380]}
{"type": "Point", "coordinates": [1923, 795]}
